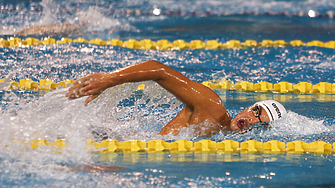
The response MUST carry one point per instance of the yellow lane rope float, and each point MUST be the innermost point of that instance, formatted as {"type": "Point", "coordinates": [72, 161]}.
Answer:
{"type": "Point", "coordinates": [203, 146]}
{"type": "Point", "coordinates": [147, 44]}
{"type": "Point", "coordinates": [261, 87]}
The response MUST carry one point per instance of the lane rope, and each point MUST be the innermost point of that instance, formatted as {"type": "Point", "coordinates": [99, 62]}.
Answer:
{"type": "Point", "coordinates": [203, 146]}
{"type": "Point", "coordinates": [162, 45]}
{"type": "Point", "coordinates": [261, 87]}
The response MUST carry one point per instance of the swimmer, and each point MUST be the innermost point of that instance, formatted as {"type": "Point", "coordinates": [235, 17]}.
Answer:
{"type": "Point", "coordinates": [88, 168]}
{"type": "Point", "coordinates": [52, 30]}
{"type": "Point", "coordinates": [202, 103]}
{"type": "Point", "coordinates": [95, 168]}
{"type": "Point", "coordinates": [55, 29]}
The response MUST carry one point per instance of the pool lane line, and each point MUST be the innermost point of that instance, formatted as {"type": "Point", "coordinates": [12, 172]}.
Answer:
{"type": "Point", "coordinates": [163, 44]}
{"type": "Point", "coordinates": [224, 85]}
{"type": "Point", "coordinates": [203, 146]}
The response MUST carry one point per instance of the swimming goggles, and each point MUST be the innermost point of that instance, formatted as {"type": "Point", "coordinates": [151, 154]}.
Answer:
{"type": "Point", "coordinates": [257, 112]}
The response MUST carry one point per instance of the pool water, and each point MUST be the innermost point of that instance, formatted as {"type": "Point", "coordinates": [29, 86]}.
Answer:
{"type": "Point", "coordinates": [124, 113]}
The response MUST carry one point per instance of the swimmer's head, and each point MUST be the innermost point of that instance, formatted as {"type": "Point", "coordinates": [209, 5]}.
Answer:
{"type": "Point", "coordinates": [263, 111]}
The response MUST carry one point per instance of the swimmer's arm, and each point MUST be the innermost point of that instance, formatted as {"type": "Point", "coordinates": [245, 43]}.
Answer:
{"type": "Point", "coordinates": [52, 29]}
{"type": "Point", "coordinates": [191, 93]}
{"type": "Point", "coordinates": [95, 168]}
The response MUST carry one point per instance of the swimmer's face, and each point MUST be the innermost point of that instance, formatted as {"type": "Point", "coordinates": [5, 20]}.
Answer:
{"type": "Point", "coordinates": [248, 117]}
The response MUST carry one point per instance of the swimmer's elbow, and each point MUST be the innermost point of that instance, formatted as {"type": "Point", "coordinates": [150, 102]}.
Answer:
{"type": "Point", "coordinates": [157, 65]}
{"type": "Point", "coordinates": [162, 70]}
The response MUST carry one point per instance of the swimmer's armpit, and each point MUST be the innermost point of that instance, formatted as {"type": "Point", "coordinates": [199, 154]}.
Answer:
{"type": "Point", "coordinates": [96, 168]}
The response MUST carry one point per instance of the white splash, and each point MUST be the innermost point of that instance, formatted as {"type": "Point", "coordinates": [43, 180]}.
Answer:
{"type": "Point", "coordinates": [295, 124]}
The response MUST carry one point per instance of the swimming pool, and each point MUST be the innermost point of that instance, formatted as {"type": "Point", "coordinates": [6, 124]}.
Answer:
{"type": "Point", "coordinates": [27, 115]}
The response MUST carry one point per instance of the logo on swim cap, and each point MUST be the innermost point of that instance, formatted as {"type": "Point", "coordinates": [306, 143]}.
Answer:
{"type": "Point", "coordinates": [274, 109]}
{"type": "Point", "coordinates": [277, 109]}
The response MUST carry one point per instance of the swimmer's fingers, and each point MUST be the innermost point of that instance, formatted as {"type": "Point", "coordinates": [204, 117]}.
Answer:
{"type": "Point", "coordinates": [90, 98]}
{"type": "Point", "coordinates": [74, 94]}
{"type": "Point", "coordinates": [93, 84]}
{"type": "Point", "coordinates": [80, 83]}
{"type": "Point", "coordinates": [87, 78]}
{"type": "Point", "coordinates": [92, 95]}
{"type": "Point", "coordinates": [80, 90]}
{"type": "Point", "coordinates": [80, 93]}
{"type": "Point", "coordinates": [91, 79]}
{"type": "Point", "coordinates": [91, 89]}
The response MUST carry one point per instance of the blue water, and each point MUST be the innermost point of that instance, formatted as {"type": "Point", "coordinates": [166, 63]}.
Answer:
{"type": "Point", "coordinates": [27, 115]}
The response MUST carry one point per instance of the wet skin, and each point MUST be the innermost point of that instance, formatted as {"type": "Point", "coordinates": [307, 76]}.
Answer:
{"type": "Point", "coordinates": [96, 168]}
{"type": "Point", "coordinates": [201, 102]}
{"type": "Point", "coordinates": [52, 30]}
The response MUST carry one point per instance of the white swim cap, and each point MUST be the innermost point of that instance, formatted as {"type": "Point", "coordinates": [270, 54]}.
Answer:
{"type": "Point", "coordinates": [274, 109]}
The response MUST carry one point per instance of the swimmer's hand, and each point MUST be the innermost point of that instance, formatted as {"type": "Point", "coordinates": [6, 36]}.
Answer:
{"type": "Point", "coordinates": [91, 86]}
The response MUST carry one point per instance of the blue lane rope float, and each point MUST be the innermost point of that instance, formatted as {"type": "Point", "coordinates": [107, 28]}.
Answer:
{"type": "Point", "coordinates": [203, 146]}
{"type": "Point", "coordinates": [147, 44]}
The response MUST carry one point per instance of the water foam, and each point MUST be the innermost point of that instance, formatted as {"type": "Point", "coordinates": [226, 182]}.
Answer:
{"type": "Point", "coordinates": [120, 112]}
